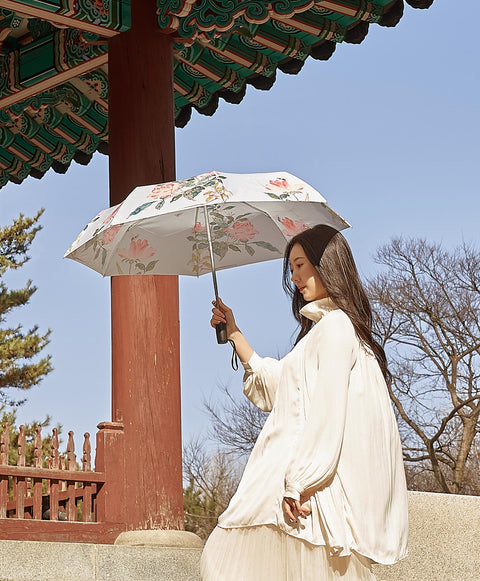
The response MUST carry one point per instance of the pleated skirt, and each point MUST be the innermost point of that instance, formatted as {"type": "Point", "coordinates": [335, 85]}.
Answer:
{"type": "Point", "coordinates": [264, 553]}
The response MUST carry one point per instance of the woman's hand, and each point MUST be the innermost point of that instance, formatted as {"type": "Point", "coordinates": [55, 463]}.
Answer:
{"type": "Point", "coordinates": [223, 314]}
{"type": "Point", "coordinates": [293, 509]}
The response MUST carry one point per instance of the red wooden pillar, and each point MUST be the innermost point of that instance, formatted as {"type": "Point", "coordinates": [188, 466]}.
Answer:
{"type": "Point", "coordinates": [145, 326]}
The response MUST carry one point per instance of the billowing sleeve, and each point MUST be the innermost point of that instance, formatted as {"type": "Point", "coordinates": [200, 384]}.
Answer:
{"type": "Point", "coordinates": [260, 381]}
{"type": "Point", "coordinates": [328, 364]}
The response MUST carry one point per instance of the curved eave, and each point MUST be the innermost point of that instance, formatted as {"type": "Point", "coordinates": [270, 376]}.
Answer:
{"type": "Point", "coordinates": [220, 67]}
{"type": "Point", "coordinates": [55, 127]}
{"type": "Point", "coordinates": [69, 121]}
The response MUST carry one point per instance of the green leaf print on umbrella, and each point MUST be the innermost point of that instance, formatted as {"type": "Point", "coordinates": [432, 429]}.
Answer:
{"type": "Point", "coordinates": [209, 185]}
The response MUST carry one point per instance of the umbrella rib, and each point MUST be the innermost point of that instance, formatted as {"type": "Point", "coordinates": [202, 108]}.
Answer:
{"type": "Point", "coordinates": [195, 222]}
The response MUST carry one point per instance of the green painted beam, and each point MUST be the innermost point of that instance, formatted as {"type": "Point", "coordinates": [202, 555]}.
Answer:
{"type": "Point", "coordinates": [111, 15]}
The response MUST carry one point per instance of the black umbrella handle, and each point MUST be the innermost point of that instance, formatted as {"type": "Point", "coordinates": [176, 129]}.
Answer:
{"type": "Point", "coordinates": [221, 330]}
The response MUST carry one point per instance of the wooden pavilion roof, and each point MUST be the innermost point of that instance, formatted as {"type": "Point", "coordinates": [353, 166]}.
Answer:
{"type": "Point", "coordinates": [54, 63]}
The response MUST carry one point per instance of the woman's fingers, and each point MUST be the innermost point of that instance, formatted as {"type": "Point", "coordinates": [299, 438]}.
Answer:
{"type": "Point", "coordinates": [222, 305]}
{"type": "Point", "coordinates": [306, 509]}
{"type": "Point", "coordinates": [218, 316]}
{"type": "Point", "coordinates": [293, 508]}
{"type": "Point", "coordinates": [221, 314]}
{"type": "Point", "coordinates": [301, 510]}
{"type": "Point", "coordinates": [287, 509]}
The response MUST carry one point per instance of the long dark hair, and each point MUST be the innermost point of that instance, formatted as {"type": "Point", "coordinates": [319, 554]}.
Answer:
{"type": "Point", "coordinates": [328, 250]}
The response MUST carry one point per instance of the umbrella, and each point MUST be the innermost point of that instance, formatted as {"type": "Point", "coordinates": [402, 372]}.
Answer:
{"type": "Point", "coordinates": [209, 222]}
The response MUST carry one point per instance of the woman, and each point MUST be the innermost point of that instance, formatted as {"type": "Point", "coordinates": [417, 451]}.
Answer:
{"type": "Point", "coordinates": [323, 494]}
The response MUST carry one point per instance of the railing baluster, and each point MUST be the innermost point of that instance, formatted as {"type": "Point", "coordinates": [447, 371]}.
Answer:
{"type": "Point", "coordinates": [37, 482]}
{"type": "Point", "coordinates": [71, 457]}
{"type": "Point", "coordinates": [37, 448]}
{"type": "Point", "coordinates": [87, 513]}
{"type": "Point", "coordinates": [21, 483]}
{"type": "Point", "coordinates": [54, 499]}
{"type": "Point", "coordinates": [4, 445]}
{"type": "Point", "coordinates": [21, 447]}
{"type": "Point", "coordinates": [71, 466]}
{"type": "Point", "coordinates": [3, 496]}
{"type": "Point", "coordinates": [54, 484]}
{"type": "Point", "coordinates": [87, 453]}
{"type": "Point", "coordinates": [4, 451]}
{"type": "Point", "coordinates": [37, 499]}
{"type": "Point", "coordinates": [61, 466]}
{"type": "Point", "coordinates": [54, 449]}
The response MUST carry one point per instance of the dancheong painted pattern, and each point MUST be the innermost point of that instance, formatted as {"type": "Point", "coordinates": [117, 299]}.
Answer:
{"type": "Point", "coordinates": [54, 63]}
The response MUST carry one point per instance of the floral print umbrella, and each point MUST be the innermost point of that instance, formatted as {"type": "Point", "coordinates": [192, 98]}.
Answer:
{"type": "Point", "coordinates": [162, 229]}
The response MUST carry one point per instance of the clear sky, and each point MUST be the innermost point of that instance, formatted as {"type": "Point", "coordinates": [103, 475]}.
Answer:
{"type": "Point", "coordinates": [387, 131]}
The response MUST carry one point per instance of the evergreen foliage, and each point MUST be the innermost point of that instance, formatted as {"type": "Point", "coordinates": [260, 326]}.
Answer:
{"type": "Point", "coordinates": [18, 348]}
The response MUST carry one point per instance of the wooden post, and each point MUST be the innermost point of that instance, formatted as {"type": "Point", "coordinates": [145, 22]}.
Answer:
{"type": "Point", "coordinates": [110, 459]}
{"type": "Point", "coordinates": [145, 326]}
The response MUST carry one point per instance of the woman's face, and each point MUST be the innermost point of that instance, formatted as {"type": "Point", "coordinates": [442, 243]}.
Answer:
{"type": "Point", "coordinates": [304, 275]}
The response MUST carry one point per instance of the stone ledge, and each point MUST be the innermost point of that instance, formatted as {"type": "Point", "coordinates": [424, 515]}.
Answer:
{"type": "Point", "coordinates": [444, 545]}
{"type": "Point", "coordinates": [41, 561]}
{"type": "Point", "coordinates": [160, 538]}
{"type": "Point", "coordinates": [444, 540]}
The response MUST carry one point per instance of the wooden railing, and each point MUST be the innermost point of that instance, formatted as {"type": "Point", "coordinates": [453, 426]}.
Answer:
{"type": "Point", "coordinates": [54, 499]}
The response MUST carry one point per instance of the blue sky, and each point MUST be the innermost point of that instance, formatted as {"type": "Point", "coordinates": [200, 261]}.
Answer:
{"type": "Point", "coordinates": [387, 131]}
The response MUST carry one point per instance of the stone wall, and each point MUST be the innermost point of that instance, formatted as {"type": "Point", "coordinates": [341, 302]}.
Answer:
{"type": "Point", "coordinates": [444, 540]}
{"type": "Point", "coordinates": [444, 545]}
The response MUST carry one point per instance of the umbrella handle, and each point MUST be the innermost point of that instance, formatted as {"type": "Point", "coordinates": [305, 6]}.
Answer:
{"type": "Point", "coordinates": [221, 330]}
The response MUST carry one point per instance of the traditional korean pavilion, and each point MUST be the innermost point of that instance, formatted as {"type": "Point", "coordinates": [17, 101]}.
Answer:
{"type": "Point", "coordinates": [116, 76]}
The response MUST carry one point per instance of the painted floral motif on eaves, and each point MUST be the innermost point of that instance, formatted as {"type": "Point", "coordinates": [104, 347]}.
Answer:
{"type": "Point", "coordinates": [206, 19]}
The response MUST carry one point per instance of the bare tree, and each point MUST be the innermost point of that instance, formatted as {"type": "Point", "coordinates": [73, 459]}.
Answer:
{"type": "Point", "coordinates": [235, 422]}
{"type": "Point", "coordinates": [426, 310]}
{"type": "Point", "coordinates": [212, 475]}
{"type": "Point", "coordinates": [211, 478]}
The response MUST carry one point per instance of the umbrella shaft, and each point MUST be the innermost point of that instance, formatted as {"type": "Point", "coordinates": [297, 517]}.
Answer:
{"type": "Point", "coordinates": [210, 247]}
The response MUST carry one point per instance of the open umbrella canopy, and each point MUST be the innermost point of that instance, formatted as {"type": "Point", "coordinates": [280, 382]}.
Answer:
{"type": "Point", "coordinates": [165, 228]}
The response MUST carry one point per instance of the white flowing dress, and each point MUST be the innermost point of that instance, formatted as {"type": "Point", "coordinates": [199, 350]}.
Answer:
{"type": "Point", "coordinates": [331, 437]}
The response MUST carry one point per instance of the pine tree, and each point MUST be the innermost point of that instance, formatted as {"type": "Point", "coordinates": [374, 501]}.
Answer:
{"type": "Point", "coordinates": [18, 348]}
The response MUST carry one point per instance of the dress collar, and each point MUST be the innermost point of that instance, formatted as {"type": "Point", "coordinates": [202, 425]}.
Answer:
{"type": "Point", "coordinates": [316, 309]}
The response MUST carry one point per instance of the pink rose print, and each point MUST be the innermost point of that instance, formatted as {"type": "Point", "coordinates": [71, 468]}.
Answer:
{"type": "Point", "coordinates": [279, 183]}
{"type": "Point", "coordinates": [163, 191]}
{"type": "Point", "coordinates": [139, 250]}
{"type": "Point", "coordinates": [110, 234]}
{"type": "Point", "coordinates": [241, 231]}
{"type": "Point", "coordinates": [292, 228]}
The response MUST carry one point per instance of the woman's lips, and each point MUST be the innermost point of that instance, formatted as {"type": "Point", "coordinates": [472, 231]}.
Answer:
{"type": "Point", "coordinates": [301, 288]}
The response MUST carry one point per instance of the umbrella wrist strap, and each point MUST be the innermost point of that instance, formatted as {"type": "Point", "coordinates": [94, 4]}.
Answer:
{"type": "Point", "coordinates": [234, 361]}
